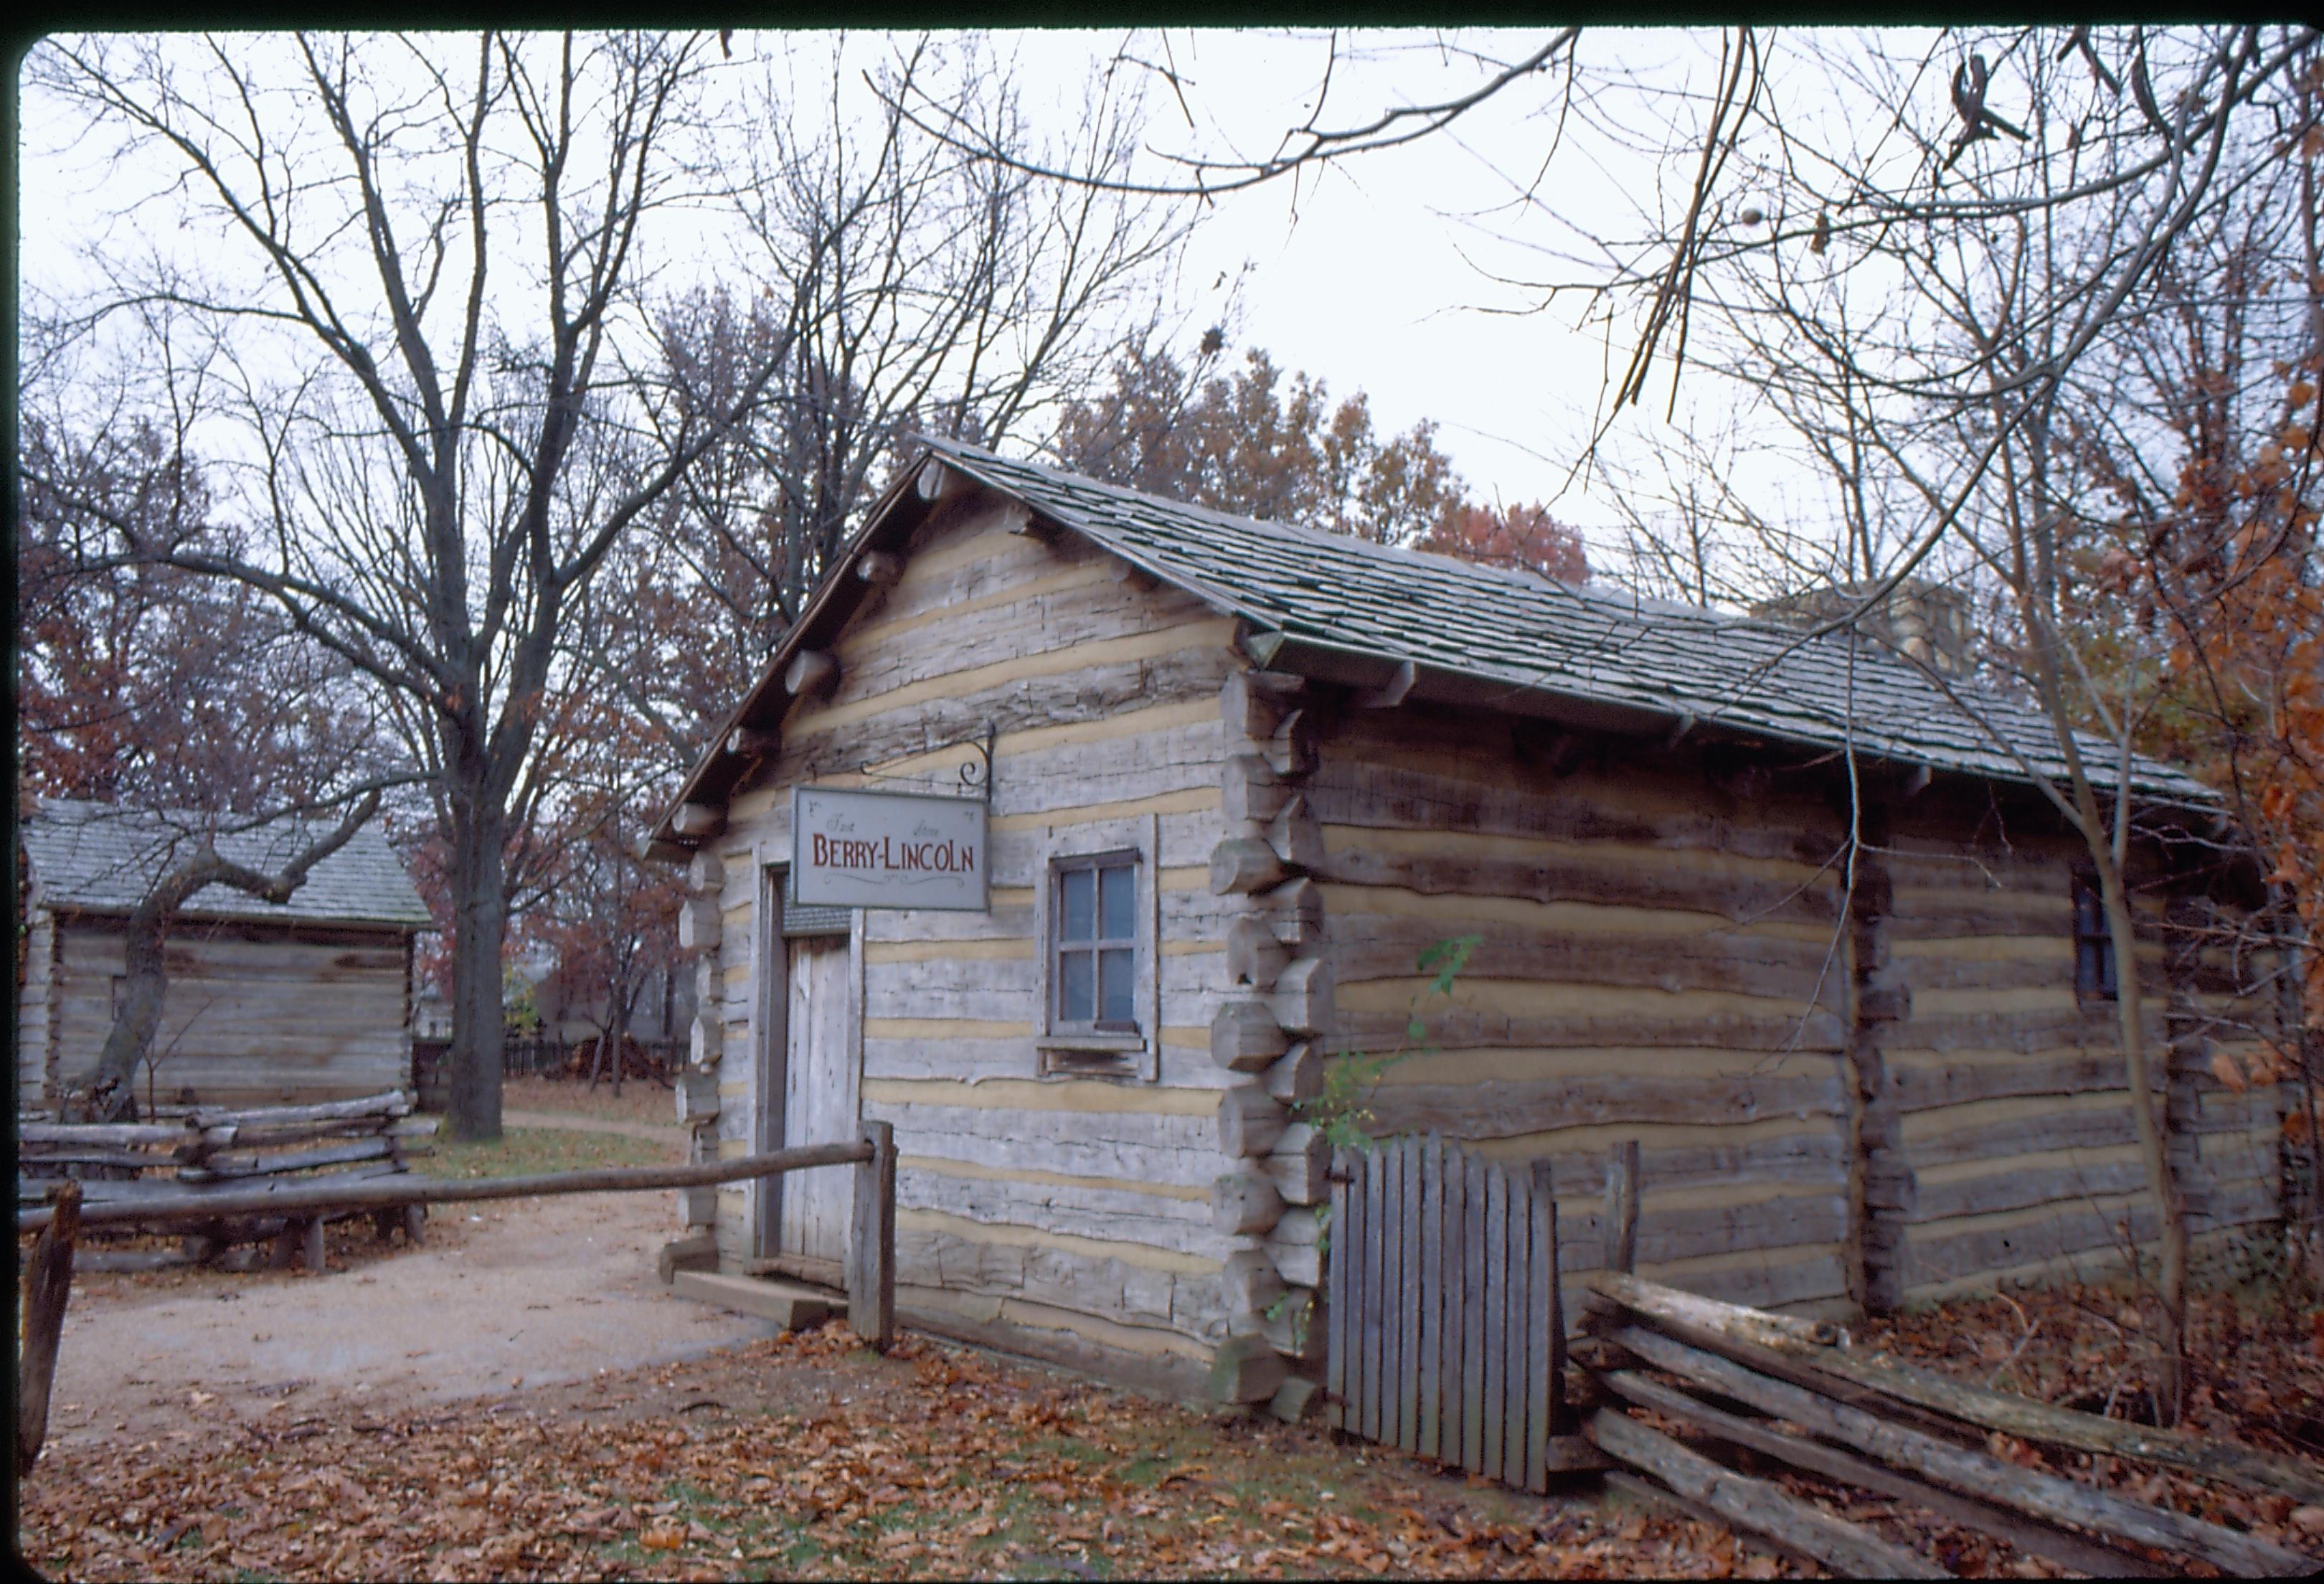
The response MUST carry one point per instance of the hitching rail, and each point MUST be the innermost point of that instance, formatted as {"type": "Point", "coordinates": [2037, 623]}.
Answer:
{"type": "Point", "coordinates": [411, 1188]}
{"type": "Point", "coordinates": [871, 1264]}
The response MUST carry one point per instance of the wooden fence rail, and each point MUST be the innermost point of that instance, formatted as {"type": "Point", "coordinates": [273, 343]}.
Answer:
{"type": "Point", "coordinates": [1793, 1391]}
{"type": "Point", "coordinates": [165, 1202]}
{"type": "Point", "coordinates": [871, 1258]}
{"type": "Point", "coordinates": [207, 1149]}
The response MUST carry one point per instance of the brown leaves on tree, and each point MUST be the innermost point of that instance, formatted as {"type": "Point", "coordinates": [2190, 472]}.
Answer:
{"type": "Point", "coordinates": [1241, 441]}
{"type": "Point", "coordinates": [1524, 538]}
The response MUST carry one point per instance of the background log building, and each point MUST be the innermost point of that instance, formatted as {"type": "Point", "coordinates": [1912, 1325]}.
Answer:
{"type": "Point", "coordinates": [268, 1004]}
{"type": "Point", "coordinates": [1771, 905]}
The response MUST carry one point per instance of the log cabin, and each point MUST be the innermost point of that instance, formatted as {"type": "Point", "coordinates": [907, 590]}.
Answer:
{"type": "Point", "coordinates": [1784, 909]}
{"type": "Point", "coordinates": [268, 1004]}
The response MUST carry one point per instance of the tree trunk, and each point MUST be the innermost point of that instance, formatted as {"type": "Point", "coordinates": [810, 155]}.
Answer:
{"type": "Point", "coordinates": [144, 988]}
{"type": "Point", "coordinates": [479, 933]}
{"type": "Point", "coordinates": [617, 1026]}
{"type": "Point", "coordinates": [146, 983]}
{"type": "Point", "coordinates": [2153, 1149]}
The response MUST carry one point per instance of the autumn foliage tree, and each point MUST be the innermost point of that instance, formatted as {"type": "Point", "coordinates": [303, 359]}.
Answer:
{"type": "Point", "coordinates": [2195, 573]}
{"type": "Point", "coordinates": [2229, 568]}
{"type": "Point", "coordinates": [148, 686]}
{"type": "Point", "coordinates": [1523, 538]}
{"type": "Point", "coordinates": [1246, 440]}
{"type": "Point", "coordinates": [2254, 652]}
{"type": "Point", "coordinates": [192, 708]}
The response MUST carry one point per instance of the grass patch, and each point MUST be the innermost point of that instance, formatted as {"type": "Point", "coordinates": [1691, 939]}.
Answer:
{"type": "Point", "coordinates": [521, 1152]}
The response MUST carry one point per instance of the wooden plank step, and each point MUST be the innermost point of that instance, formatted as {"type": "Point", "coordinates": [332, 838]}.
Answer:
{"type": "Point", "coordinates": [787, 1303]}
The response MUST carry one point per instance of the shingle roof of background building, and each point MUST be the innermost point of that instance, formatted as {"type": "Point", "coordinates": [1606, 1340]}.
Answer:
{"type": "Point", "coordinates": [1594, 643]}
{"type": "Point", "coordinates": [100, 858]}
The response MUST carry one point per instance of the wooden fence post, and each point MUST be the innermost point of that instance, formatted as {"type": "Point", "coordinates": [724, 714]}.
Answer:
{"type": "Point", "coordinates": [871, 1252]}
{"type": "Point", "coordinates": [1622, 1206]}
{"type": "Point", "coordinates": [1549, 1315]}
{"type": "Point", "coordinates": [47, 1283]}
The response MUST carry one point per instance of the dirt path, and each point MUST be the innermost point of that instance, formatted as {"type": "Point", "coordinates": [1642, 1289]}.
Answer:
{"type": "Point", "coordinates": [532, 1291]}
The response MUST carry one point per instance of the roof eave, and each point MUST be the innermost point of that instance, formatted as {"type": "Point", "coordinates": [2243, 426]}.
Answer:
{"type": "Point", "coordinates": [898, 510]}
{"type": "Point", "coordinates": [1322, 659]}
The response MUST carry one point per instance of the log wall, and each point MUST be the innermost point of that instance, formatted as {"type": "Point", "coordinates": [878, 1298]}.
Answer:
{"type": "Point", "coordinates": [1662, 960]}
{"type": "Point", "coordinates": [1063, 1215]}
{"type": "Point", "coordinates": [36, 1045]}
{"type": "Point", "coordinates": [251, 1018]}
{"type": "Point", "coordinates": [1842, 1092]}
{"type": "Point", "coordinates": [2011, 1092]}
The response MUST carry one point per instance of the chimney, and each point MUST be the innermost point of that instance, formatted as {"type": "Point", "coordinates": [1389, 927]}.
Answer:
{"type": "Point", "coordinates": [1927, 621]}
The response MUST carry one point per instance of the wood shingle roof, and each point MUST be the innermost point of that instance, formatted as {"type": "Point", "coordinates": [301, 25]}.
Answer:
{"type": "Point", "coordinates": [98, 858]}
{"type": "Point", "coordinates": [1328, 603]}
{"type": "Point", "coordinates": [1596, 645]}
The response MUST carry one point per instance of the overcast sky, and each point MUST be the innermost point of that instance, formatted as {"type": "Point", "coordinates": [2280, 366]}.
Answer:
{"type": "Point", "coordinates": [1373, 273]}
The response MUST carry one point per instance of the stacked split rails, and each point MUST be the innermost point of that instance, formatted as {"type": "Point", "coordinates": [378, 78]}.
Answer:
{"type": "Point", "coordinates": [870, 1262]}
{"type": "Point", "coordinates": [190, 1161]}
{"type": "Point", "coordinates": [1809, 1403]}
{"type": "Point", "coordinates": [1267, 1037]}
{"type": "Point", "coordinates": [1447, 1338]}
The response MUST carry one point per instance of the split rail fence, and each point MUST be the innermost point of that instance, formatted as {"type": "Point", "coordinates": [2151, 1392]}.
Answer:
{"type": "Point", "coordinates": [1765, 1389]}
{"type": "Point", "coordinates": [1445, 1339]}
{"type": "Point", "coordinates": [201, 1153]}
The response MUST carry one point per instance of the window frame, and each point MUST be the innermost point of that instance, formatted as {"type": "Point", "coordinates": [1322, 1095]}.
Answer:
{"type": "Point", "coordinates": [1065, 1049]}
{"type": "Point", "coordinates": [2096, 975]}
{"type": "Point", "coordinates": [1098, 865]}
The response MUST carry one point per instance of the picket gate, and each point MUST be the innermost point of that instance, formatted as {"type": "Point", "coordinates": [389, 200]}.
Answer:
{"type": "Point", "coordinates": [1445, 1335]}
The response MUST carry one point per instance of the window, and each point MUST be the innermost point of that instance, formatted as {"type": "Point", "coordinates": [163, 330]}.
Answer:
{"type": "Point", "coordinates": [2093, 946]}
{"type": "Point", "coordinates": [1097, 989]}
{"type": "Point", "coordinates": [1094, 912]}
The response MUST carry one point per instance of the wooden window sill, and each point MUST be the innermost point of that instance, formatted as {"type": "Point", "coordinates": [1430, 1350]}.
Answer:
{"type": "Point", "coordinates": [1122, 1056]}
{"type": "Point", "coordinates": [1090, 1041]}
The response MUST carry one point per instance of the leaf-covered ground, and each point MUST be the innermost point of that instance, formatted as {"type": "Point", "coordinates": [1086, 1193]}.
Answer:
{"type": "Point", "coordinates": [808, 1456]}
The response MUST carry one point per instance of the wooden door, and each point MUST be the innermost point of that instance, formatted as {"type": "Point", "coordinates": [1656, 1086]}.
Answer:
{"type": "Point", "coordinates": [820, 1104]}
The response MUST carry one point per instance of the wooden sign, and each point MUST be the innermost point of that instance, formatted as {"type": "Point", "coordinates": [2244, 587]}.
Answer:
{"type": "Point", "coordinates": [856, 848]}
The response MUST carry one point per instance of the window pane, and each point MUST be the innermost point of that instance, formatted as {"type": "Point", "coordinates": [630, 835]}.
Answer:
{"type": "Point", "coordinates": [1113, 986]}
{"type": "Point", "coordinates": [1116, 887]}
{"type": "Point", "coordinates": [1076, 891]}
{"type": "Point", "coordinates": [1073, 989]}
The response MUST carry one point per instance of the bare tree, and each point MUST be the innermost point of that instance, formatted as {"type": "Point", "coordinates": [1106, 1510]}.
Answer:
{"type": "Point", "coordinates": [903, 286]}
{"type": "Point", "coordinates": [1955, 317]}
{"type": "Point", "coordinates": [424, 273]}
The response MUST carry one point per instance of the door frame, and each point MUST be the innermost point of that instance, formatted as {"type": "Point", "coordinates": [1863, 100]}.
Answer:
{"type": "Point", "coordinates": [770, 974]}
{"type": "Point", "coordinates": [770, 953]}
